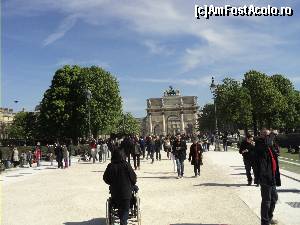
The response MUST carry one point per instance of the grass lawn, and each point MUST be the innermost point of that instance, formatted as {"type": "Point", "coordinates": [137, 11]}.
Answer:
{"type": "Point", "coordinates": [284, 153]}
{"type": "Point", "coordinates": [289, 167]}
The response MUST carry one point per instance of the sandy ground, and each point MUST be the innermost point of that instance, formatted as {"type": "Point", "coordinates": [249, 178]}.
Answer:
{"type": "Point", "coordinates": [77, 196]}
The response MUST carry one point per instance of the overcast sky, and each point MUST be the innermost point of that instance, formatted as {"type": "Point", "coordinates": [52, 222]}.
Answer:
{"type": "Point", "coordinates": [147, 44]}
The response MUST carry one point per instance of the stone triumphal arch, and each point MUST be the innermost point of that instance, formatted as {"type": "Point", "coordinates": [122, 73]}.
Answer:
{"type": "Point", "coordinates": [171, 114]}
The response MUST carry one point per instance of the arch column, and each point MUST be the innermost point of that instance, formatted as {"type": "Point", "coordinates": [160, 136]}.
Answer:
{"type": "Point", "coordinates": [164, 123]}
{"type": "Point", "coordinates": [181, 122]}
{"type": "Point", "coordinates": [150, 124]}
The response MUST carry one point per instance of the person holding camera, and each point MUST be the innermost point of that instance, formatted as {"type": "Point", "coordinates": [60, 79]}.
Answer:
{"type": "Point", "coordinates": [249, 158]}
{"type": "Point", "coordinates": [269, 177]}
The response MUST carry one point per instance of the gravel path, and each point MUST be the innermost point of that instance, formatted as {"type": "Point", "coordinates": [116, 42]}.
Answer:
{"type": "Point", "coordinates": [77, 196]}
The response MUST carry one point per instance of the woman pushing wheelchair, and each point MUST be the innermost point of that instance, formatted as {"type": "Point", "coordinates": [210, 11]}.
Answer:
{"type": "Point", "coordinates": [121, 179]}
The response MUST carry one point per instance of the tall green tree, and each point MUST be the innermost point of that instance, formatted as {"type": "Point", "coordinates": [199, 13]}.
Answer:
{"type": "Point", "coordinates": [266, 100]}
{"type": "Point", "coordinates": [233, 105]}
{"type": "Point", "coordinates": [288, 116]}
{"type": "Point", "coordinates": [24, 126]}
{"type": "Point", "coordinates": [65, 107]}
{"type": "Point", "coordinates": [127, 125]}
{"type": "Point", "coordinates": [206, 119]}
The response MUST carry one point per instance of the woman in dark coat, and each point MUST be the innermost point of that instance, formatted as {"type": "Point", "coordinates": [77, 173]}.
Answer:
{"type": "Point", "coordinates": [195, 156]}
{"type": "Point", "coordinates": [59, 156]}
{"type": "Point", "coordinates": [121, 179]}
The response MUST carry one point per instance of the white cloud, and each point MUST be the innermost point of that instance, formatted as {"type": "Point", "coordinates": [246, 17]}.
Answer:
{"type": "Point", "coordinates": [63, 28]}
{"type": "Point", "coordinates": [156, 48]}
{"type": "Point", "coordinates": [217, 40]}
{"type": "Point", "coordinates": [201, 81]}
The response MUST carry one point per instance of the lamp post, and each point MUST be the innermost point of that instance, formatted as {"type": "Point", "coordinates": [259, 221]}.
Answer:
{"type": "Point", "coordinates": [213, 89]}
{"type": "Point", "coordinates": [88, 97]}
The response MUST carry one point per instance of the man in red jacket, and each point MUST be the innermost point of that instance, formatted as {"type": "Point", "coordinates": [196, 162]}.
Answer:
{"type": "Point", "coordinates": [38, 154]}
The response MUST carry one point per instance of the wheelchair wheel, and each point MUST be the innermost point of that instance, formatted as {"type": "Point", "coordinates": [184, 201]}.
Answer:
{"type": "Point", "coordinates": [138, 213]}
{"type": "Point", "coordinates": [109, 217]}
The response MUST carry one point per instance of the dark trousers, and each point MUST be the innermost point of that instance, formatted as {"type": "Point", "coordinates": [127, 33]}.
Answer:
{"type": "Point", "coordinates": [60, 164]}
{"type": "Point", "coordinates": [168, 150]}
{"type": "Point", "coordinates": [123, 211]}
{"type": "Point", "coordinates": [269, 198]}
{"type": "Point", "coordinates": [158, 155]}
{"type": "Point", "coordinates": [197, 168]}
{"type": "Point", "coordinates": [128, 158]}
{"type": "Point", "coordinates": [143, 152]}
{"type": "Point", "coordinates": [249, 163]}
{"type": "Point", "coordinates": [136, 161]}
{"type": "Point", "coordinates": [152, 156]}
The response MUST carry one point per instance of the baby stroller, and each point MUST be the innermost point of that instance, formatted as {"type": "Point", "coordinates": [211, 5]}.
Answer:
{"type": "Point", "coordinates": [134, 210]}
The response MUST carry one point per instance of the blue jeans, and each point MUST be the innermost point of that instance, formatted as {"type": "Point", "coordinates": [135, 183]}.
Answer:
{"type": "Point", "coordinates": [225, 146]}
{"type": "Point", "coordinates": [180, 166]}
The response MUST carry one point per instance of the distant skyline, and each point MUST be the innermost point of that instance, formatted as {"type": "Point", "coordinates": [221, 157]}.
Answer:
{"type": "Point", "coordinates": [147, 45]}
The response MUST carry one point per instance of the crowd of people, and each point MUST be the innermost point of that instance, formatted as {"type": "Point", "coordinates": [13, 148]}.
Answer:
{"type": "Point", "coordinates": [259, 154]}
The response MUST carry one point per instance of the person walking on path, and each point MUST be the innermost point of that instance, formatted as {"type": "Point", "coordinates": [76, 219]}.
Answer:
{"type": "Point", "coordinates": [71, 151]}
{"type": "Point", "coordinates": [93, 150]}
{"type": "Point", "coordinates": [121, 179]}
{"type": "Point", "coordinates": [136, 154]}
{"type": "Point", "coordinates": [29, 158]}
{"type": "Point", "coordinates": [38, 154]}
{"type": "Point", "coordinates": [104, 151]}
{"type": "Point", "coordinates": [151, 148]}
{"type": "Point", "coordinates": [195, 156]}
{"type": "Point", "coordinates": [143, 146]}
{"type": "Point", "coordinates": [158, 145]}
{"type": "Point", "coordinates": [269, 177]}
{"type": "Point", "coordinates": [225, 141]}
{"type": "Point", "coordinates": [179, 151]}
{"type": "Point", "coordinates": [66, 156]}
{"type": "Point", "coordinates": [59, 155]}
{"type": "Point", "coordinates": [15, 156]}
{"type": "Point", "coordinates": [127, 146]}
{"type": "Point", "coordinates": [167, 146]}
{"type": "Point", "coordinates": [248, 153]}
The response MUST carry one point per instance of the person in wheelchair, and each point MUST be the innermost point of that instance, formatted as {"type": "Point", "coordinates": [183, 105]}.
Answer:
{"type": "Point", "coordinates": [121, 178]}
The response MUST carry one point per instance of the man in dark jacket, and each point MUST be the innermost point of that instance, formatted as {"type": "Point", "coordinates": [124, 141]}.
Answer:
{"type": "Point", "coordinates": [128, 147]}
{"type": "Point", "coordinates": [158, 145]}
{"type": "Point", "coordinates": [195, 156]}
{"type": "Point", "coordinates": [179, 151]}
{"type": "Point", "coordinates": [249, 158]}
{"type": "Point", "coordinates": [121, 178]}
{"type": "Point", "coordinates": [269, 177]}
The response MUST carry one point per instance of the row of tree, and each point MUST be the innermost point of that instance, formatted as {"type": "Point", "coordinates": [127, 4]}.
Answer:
{"type": "Point", "coordinates": [65, 108]}
{"type": "Point", "coordinates": [258, 101]}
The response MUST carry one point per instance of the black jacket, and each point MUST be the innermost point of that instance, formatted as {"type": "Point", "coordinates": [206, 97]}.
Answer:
{"type": "Point", "coordinates": [179, 149]}
{"type": "Point", "coordinates": [264, 164]}
{"type": "Point", "coordinates": [121, 178]}
{"type": "Point", "coordinates": [250, 155]}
